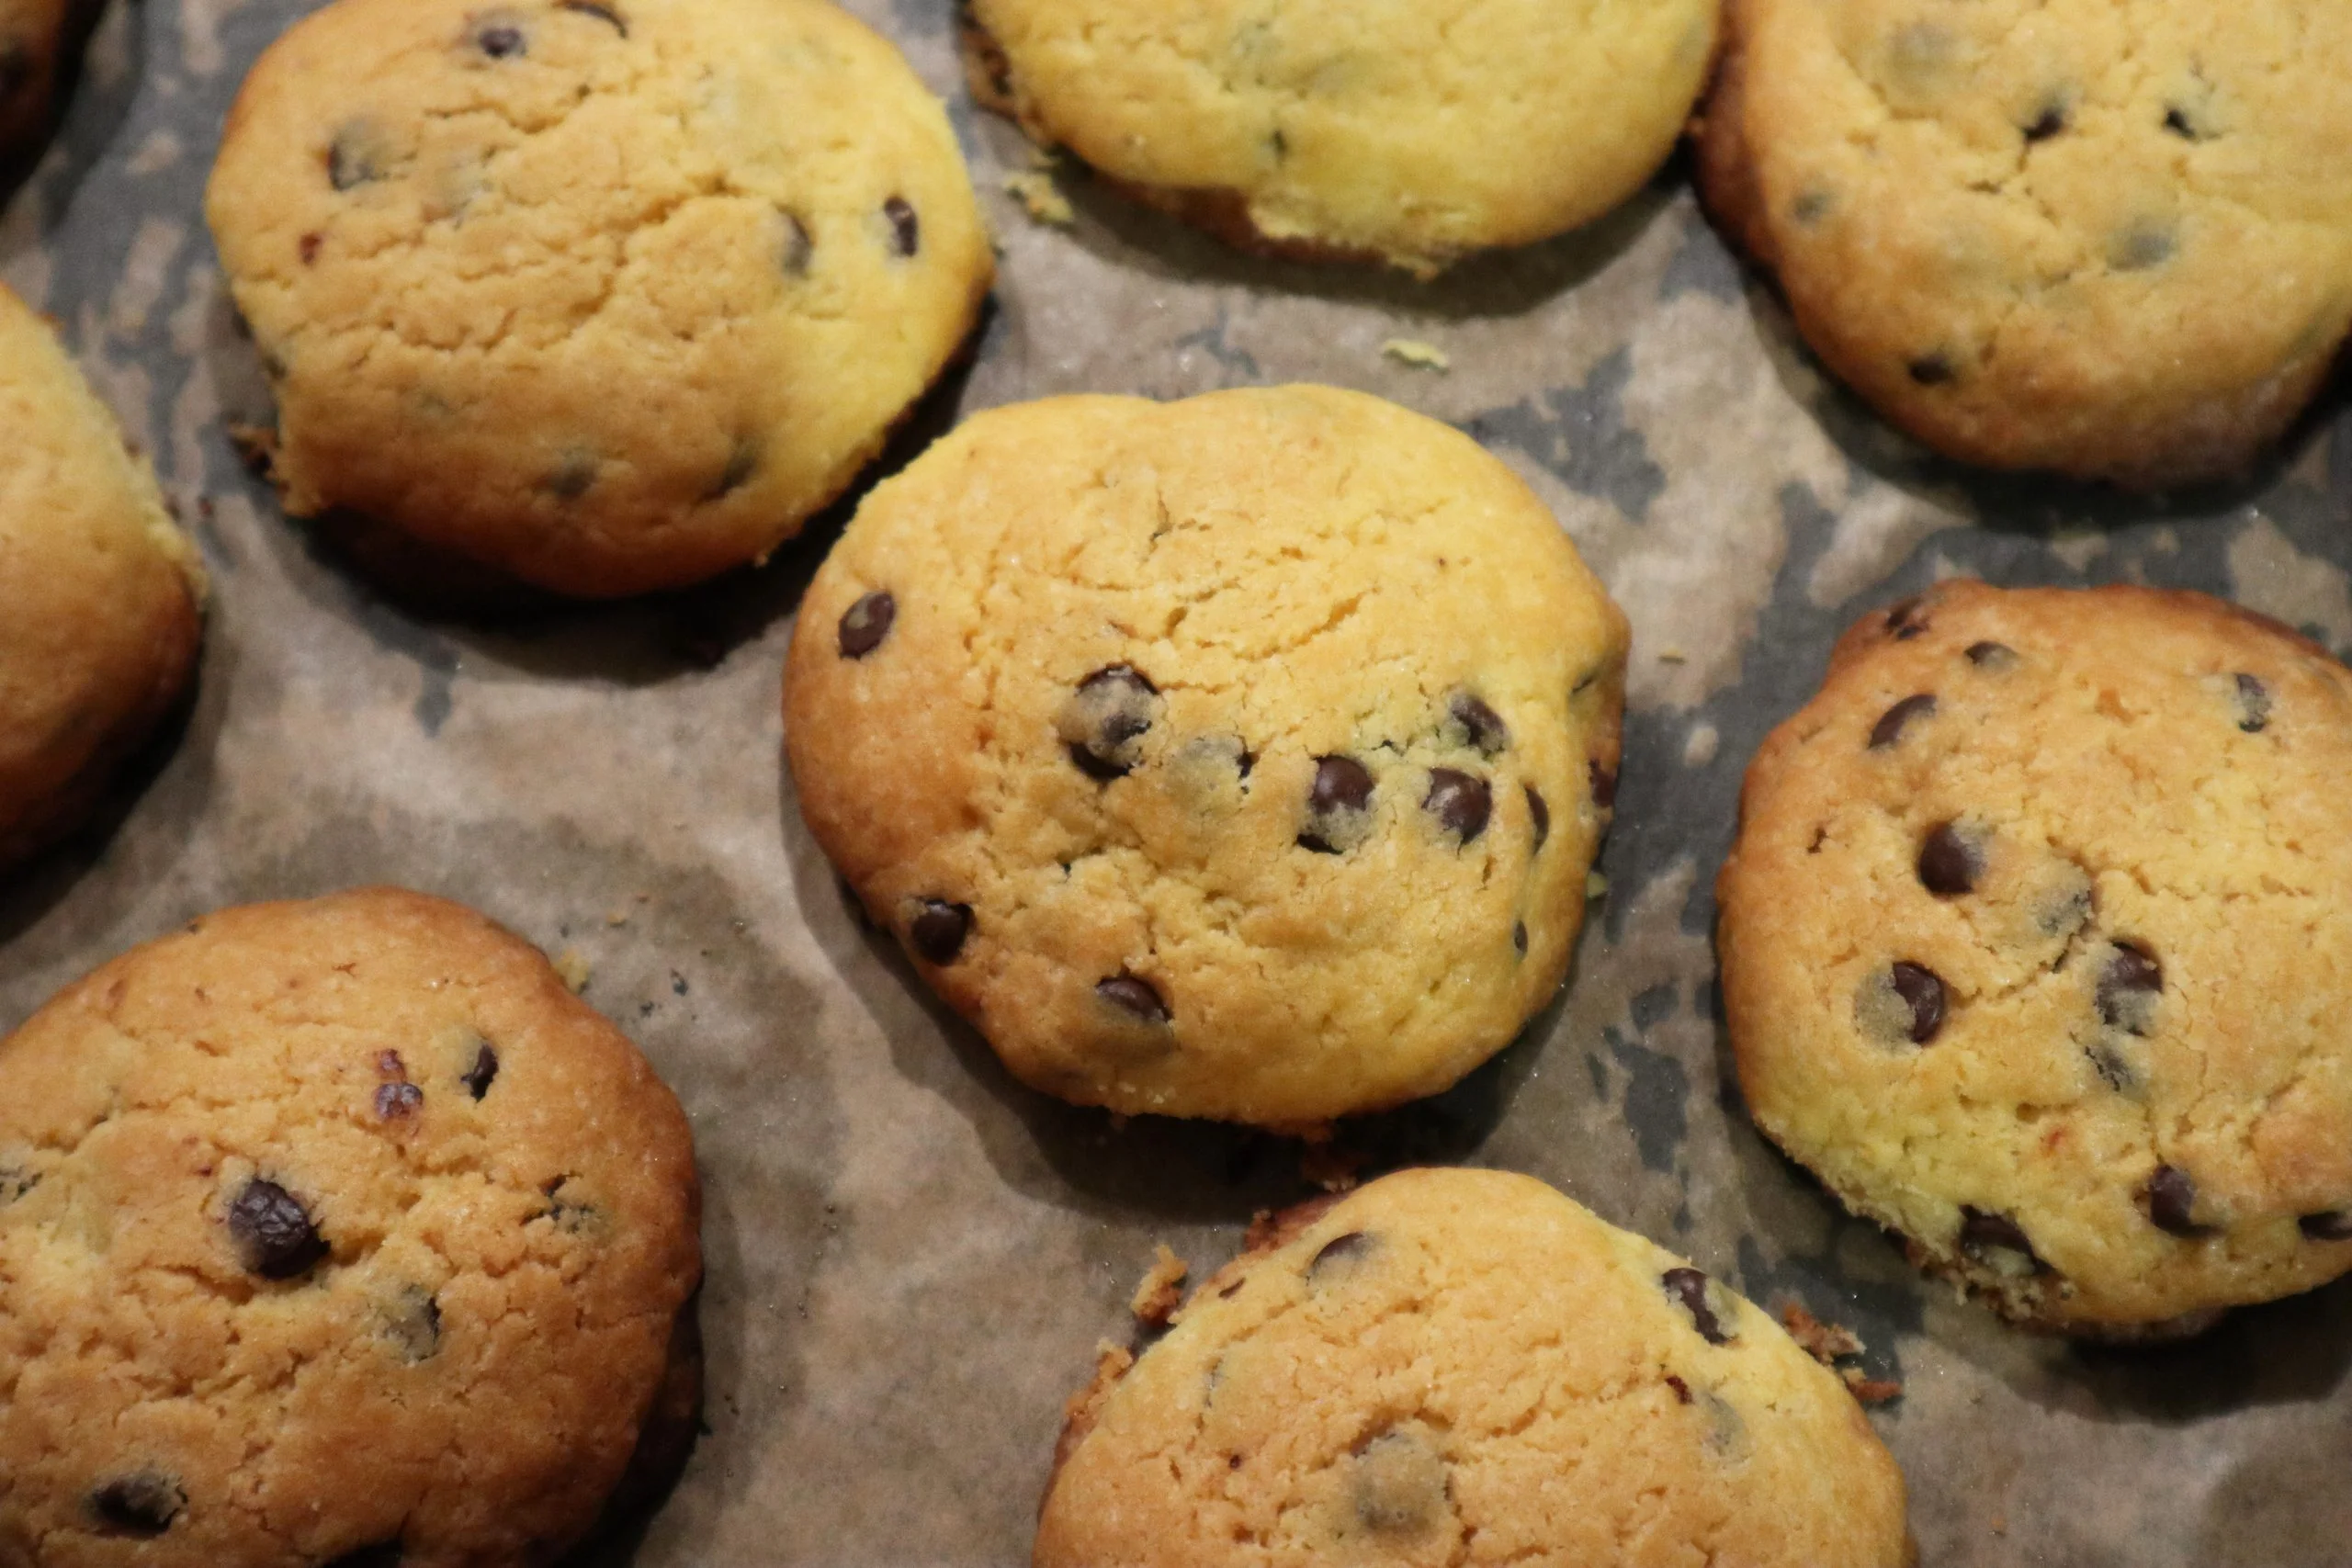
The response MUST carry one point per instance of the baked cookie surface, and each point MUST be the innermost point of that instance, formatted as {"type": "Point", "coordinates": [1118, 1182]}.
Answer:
{"type": "Point", "coordinates": [2035, 948]}
{"type": "Point", "coordinates": [101, 591]}
{"type": "Point", "coordinates": [335, 1232]}
{"type": "Point", "coordinates": [2114, 240]}
{"type": "Point", "coordinates": [1412, 134]}
{"type": "Point", "coordinates": [1465, 1367]}
{"type": "Point", "coordinates": [609, 297]}
{"type": "Point", "coordinates": [1241, 757]}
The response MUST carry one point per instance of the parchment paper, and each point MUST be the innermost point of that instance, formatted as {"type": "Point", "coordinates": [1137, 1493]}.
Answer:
{"type": "Point", "coordinates": [911, 1259]}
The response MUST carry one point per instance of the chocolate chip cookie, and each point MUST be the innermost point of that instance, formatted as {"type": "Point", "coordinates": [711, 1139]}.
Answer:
{"type": "Point", "coordinates": [1408, 134]}
{"type": "Point", "coordinates": [332, 1233]}
{"type": "Point", "coordinates": [1241, 757]}
{"type": "Point", "coordinates": [2110, 241]}
{"type": "Point", "coordinates": [100, 593]}
{"type": "Point", "coordinates": [2035, 949]}
{"type": "Point", "coordinates": [608, 297]}
{"type": "Point", "coordinates": [1446, 1358]}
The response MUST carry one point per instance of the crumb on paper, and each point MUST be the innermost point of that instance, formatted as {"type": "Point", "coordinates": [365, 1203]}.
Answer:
{"type": "Point", "coordinates": [257, 447]}
{"type": "Point", "coordinates": [617, 917]}
{"type": "Point", "coordinates": [1157, 1297]}
{"type": "Point", "coordinates": [1039, 197]}
{"type": "Point", "coordinates": [1595, 885]}
{"type": "Point", "coordinates": [1870, 1390]}
{"type": "Point", "coordinates": [573, 969]}
{"type": "Point", "coordinates": [1824, 1342]}
{"type": "Point", "coordinates": [1420, 356]}
{"type": "Point", "coordinates": [1671, 655]}
{"type": "Point", "coordinates": [1328, 1167]}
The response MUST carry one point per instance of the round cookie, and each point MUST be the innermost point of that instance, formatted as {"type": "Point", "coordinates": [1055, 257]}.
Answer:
{"type": "Point", "coordinates": [1242, 757]}
{"type": "Point", "coordinates": [102, 594]}
{"type": "Point", "coordinates": [2110, 241]}
{"type": "Point", "coordinates": [607, 294]}
{"type": "Point", "coordinates": [1465, 1367]}
{"type": "Point", "coordinates": [332, 1233]}
{"type": "Point", "coordinates": [1411, 134]}
{"type": "Point", "coordinates": [2035, 943]}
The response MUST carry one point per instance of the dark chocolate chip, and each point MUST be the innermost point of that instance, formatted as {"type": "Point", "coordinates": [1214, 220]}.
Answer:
{"type": "Point", "coordinates": [1603, 781]}
{"type": "Point", "coordinates": [272, 1233]}
{"type": "Point", "coordinates": [1460, 802]}
{"type": "Point", "coordinates": [395, 1101]}
{"type": "Point", "coordinates": [2253, 703]}
{"type": "Point", "coordinates": [1903, 620]}
{"type": "Point", "coordinates": [412, 1323]}
{"type": "Point", "coordinates": [2177, 120]}
{"type": "Point", "coordinates": [742, 462]}
{"type": "Point", "coordinates": [2047, 124]}
{"type": "Point", "coordinates": [352, 157]}
{"type": "Point", "coordinates": [482, 1073]}
{"type": "Point", "coordinates": [1519, 937]}
{"type": "Point", "coordinates": [572, 478]}
{"type": "Point", "coordinates": [143, 1503]}
{"type": "Point", "coordinates": [2142, 245]}
{"type": "Point", "coordinates": [1133, 995]}
{"type": "Point", "coordinates": [1992, 655]}
{"type": "Point", "coordinates": [1110, 711]}
{"type": "Point", "coordinates": [1949, 865]}
{"type": "Point", "coordinates": [1923, 991]}
{"type": "Point", "coordinates": [15, 1182]}
{"type": "Point", "coordinates": [866, 623]}
{"type": "Point", "coordinates": [1540, 815]}
{"type": "Point", "coordinates": [1811, 208]}
{"type": "Point", "coordinates": [308, 248]}
{"type": "Point", "coordinates": [906, 229]}
{"type": "Point", "coordinates": [1681, 1390]}
{"type": "Point", "coordinates": [569, 1214]}
{"type": "Point", "coordinates": [500, 40]}
{"type": "Point", "coordinates": [1342, 785]}
{"type": "Point", "coordinates": [1482, 725]}
{"type": "Point", "coordinates": [1982, 1230]}
{"type": "Point", "coordinates": [2172, 1202]}
{"type": "Point", "coordinates": [604, 14]}
{"type": "Point", "coordinates": [799, 247]}
{"type": "Point", "coordinates": [1892, 723]}
{"type": "Point", "coordinates": [2328, 1225]}
{"type": "Point", "coordinates": [1932, 370]}
{"type": "Point", "coordinates": [2133, 977]}
{"type": "Point", "coordinates": [1337, 1254]}
{"type": "Point", "coordinates": [938, 930]}
{"type": "Point", "coordinates": [2114, 1068]}
{"type": "Point", "coordinates": [381, 1555]}
{"type": "Point", "coordinates": [1689, 1286]}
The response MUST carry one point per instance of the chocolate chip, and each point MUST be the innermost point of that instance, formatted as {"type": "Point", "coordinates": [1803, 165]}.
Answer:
{"type": "Point", "coordinates": [2128, 986]}
{"type": "Point", "coordinates": [906, 229]}
{"type": "Point", "coordinates": [1892, 723]}
{"type": "Point", "coordinates": [604, 14]}
{"type": "Point", "coordinates": [1994, 656]}
{"type": "Point", "coordinates": [1903, 620]}
{"type": "Point", "coordinates": [2328, 1225]}
{"type": "Point", "coordinates": [570, 1215]}
{"type": "Point", "coordinates": [1336, 1257]}
{"type": "Point", "coordinates": [1689, 1286]}
{"type": "Point", "coordinates": [1336, 802]}
{"type": "Point", "coordinates": [381, 1555]}
{"type": "Point", "coordinates": [482, 1073]}
{"type": "Point", "coordinates": [866, 623]}
{"type": "Point", "coordinates": [2142, 245]}
{"type": "Point", "coordinates": [1681, 1390]}
{"type": "Point", "coordinates": [1932, 370]}
{"type": "Point", "coordinates": [1540, 815]}
{"type": "Point", "coordinates": [500, 40]}
{"type": "Point", "coordinates": [800, 245]}
{"type": "Point", "coordinates": [412, 1323]}
{"type": "Point", "coordinates": [1949, 865]}
{"type": "Point", "coordinates": [272, 1233]}
{"type": "Point", "coordinates": [1101, 723]}
{"type": "Point", "coordinates": [2047, 124]}
{"type": "Point", "coordinates": [1460, 802]}
{"type": "Point", "coordinates": [1519, 937]}
{"type": "Point", "coordinates": [1923, 992]}
{"type": "Point", "coordinates": [1399, 1484]}
{"type": "Point", "coordinates": [143, 1503]}
{"type": "Point", "coordinates": [938, 931]}
{"type": "Point", "coordinates": [1811, 208]}
{"type": "Point", "coordinates": [308, 248]}
{"type": "Point", "coordinates": [1981, 1232]}
{"type": "Point", "coordinates": [572, 477]}
{"type": "Point", "coordinates": [2177, 120]}
{"type": "Point", "coordinates": [1603, 781]}
{"type": "Point", "coordinates": [2172, 1202]}
{"type": "Point", "coordinates": [1481, 726]}
{"type": "Point", "coordinates": [1131, 994]}
{"type": "Point", "coordinates": [355, 157]}
{"type": "Point", "coordinates": [395, 1101]}
{"type": "Point", "coordinates": [2253, 703]}
{"type": "Point", "coordinates": [742, 462]}
{"type": "Point", "coordinates": [15, 1182]}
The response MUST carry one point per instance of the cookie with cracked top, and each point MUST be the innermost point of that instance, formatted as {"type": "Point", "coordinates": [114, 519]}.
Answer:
{"type": "Point", "coordinates": [101, 594]}
{"type": "Point", "coordinates": [2114, 242]}
{"type": "Point", "coordinates": [1445, 1358]}
{"type": "Point", "coordinates": [2046, 977]}
{"type": "Point", "coordinates": [1241, 757]}
{"type": "Point", "coordinates": [336, 1232]}
{"type": "Point", "coordinates": [604, 297]}
{"type": "Point", "coordinates": [1330, 130]}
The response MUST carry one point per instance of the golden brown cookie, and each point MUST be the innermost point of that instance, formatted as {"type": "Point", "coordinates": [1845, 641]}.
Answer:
{"type": "Point", "coordinates": [1464, 1366]}
{"type": "Point", "coordinates": [1242, 757]}
{"type": "Point", "coordinates": [608, 295]}
{"type": "Point", "coordinates": [100, 593]}
{"type": "Point", "coordinates": [335, 1232]}
{"type": "Point", "coordinates": [2035, 945]}
{"type": "Point", "coordinates": [2114, 240]}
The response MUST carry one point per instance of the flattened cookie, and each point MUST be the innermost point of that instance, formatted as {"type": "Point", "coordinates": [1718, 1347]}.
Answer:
{"type": "Point", "coordinates": [1465, 1367]}
{"type": "Point", "coordinates": [1412, 134]}
{"type": "Point", "coordinates": [101, 594]}
{"type": "Point", "coordinates": [1242, 757]}
{"type": "Point", "coordinates": [2111, 241]}
{"type": "Point", "coordinates": [331, 1232]}
{"type": "Point", "coordinates": [609, 297]}
{"type": "Point", "coordinates": [2036, 947]}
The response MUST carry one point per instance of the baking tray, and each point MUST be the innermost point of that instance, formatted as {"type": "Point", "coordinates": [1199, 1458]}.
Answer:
{"type": "Point", "coordinates": [911, 1259]}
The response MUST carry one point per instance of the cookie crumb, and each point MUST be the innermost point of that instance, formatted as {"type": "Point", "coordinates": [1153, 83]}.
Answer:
{"type": "Point", "coordinates": [1672, 656]}
{"type": "Point", "coordinates": [618, 917]}
{"type": "Point", "coordinates": [1156, 1298]}
{"type": "Point", "coordinates": [1420, 356]}
{"type": "Point", "coordinates": [573, 969]}
{"type": "Point", "coordinates": [257, 447]}
{"type": "Point", "coordinates": [1824, 1342]}
{"type": "Point", "coordinates": [1595, 885]}
{"type": "Point", "coordinates": [1040, 197]}
{"type": "Point", "coordinates": [1869, 1390]}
